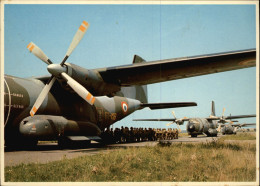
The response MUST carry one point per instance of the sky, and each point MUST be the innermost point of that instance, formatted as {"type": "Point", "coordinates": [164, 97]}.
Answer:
{"type": "Point", "coordinates": [154, 32]}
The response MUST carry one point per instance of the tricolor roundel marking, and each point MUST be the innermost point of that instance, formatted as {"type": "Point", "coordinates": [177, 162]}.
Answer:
{"type": "Point", "coordinates": [124, 106]}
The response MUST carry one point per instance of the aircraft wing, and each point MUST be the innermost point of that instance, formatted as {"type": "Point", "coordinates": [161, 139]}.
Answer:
{"type": "Point", "coordinates": [231, 117]}
{"type": "Point", "coordinates": [240, 116]}
{"type": "Point", "coordinates": [177, 68]}
{"type": "Point", "coordinates": [243, 125]}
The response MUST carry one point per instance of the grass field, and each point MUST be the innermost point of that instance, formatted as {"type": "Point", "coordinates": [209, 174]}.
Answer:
{"type": "Point", "coordinates": [215, 161]}
{"type": "Point", "coordinates": [240, 136]}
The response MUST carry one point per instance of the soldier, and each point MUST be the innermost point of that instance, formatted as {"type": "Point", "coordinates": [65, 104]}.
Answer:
{"type": "Point", "coordinates": [135, 134]}
{"type": "Point", "coordinates": [138, 134]}
{"type": "Point", "coordinates": [176, 133]}
{"type": "Point", "coordinates": [154, 135]}
{"type": "Point", "coordinates": [110, 135]}
{"type": "Point", "coordinates": [149, 135]}
{"type": "Point", "coordinates": [172, 133]}
{"type": "Point", "coordinates": [127, 134]}
{"type": "Point", "coordinates": [117, 135]}
{"type": "Point", "coordinates": [122, 134]}
{"type": "Point", "coordinates": [159, 134]}
{"type": "Point", "coordinates": [168, 134]}
{"type": "Point", "coordinates": [142, 134]}
{"type": "Point", "coordinates": [131, 135]}
{"type": "Point", "coordinates": [105, 135]}
{"type": "Point", "coordinates": [164, 133]}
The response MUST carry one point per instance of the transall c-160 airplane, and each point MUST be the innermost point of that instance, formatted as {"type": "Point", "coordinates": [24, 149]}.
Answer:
{"type": "Point", "coordinates": [209, 126]}
{"type": "Point", "coordinates": [78, 103]}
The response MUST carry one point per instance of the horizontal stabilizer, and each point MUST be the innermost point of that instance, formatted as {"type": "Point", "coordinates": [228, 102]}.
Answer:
{"type": "Point", "coordinates": [169, 119]}
{"type": "Point", "coordinates": [163, 119]}
{"type": "Point", "coordinates": [167, 105]}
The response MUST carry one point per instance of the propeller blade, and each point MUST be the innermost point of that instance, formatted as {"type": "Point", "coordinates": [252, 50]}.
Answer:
{"type": "Point", "coordinates": [219, 127]}
{"type": "Point", "coordinates": [42, 96]}
{"type": "Point", "coordinates": [79, 89]}
{"type": "Point", "coordinates": [168, 124]}
{"type": "Point", "coordinates": [77, 38]}
{"type": "Point", "coordinates": [223, 112]}
{"type": "Point", "coordinates": [33, 48]}
{"type": "Point", "coordinates": [174, 115]}
{"type": "Point", "coordinates": [229, 121]}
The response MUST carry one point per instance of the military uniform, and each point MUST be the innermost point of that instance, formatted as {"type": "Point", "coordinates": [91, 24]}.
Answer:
{"type": "Point", "coordinates": [117, 135]}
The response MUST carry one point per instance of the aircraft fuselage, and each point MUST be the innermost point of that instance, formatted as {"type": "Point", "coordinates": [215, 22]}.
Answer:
{"type": "Point", "coordinates": [228, 129]}
{"type": "Point", "coordinates": [61, 113]}
{"type": "Point", "coordinates": [196, 126]}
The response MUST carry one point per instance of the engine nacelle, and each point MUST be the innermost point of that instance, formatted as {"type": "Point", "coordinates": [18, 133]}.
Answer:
{"type": "Point", "coordinates": [92, 80]}
{"type": "Point", "coordinates": [212, 132]}
{"type": "Point", "coordinates": [43, 127]}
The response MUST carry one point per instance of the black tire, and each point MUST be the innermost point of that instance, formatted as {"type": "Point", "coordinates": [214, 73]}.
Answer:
{"type": "Point", "coordinates": [27, 144]}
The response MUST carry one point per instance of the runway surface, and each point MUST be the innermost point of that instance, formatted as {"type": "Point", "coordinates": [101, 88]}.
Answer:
{"type": "Point", "coordinates": [48, 152]}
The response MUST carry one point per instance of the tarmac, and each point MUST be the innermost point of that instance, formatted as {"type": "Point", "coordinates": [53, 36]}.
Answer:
{"type": "Point", "coordinates": [48, 152]}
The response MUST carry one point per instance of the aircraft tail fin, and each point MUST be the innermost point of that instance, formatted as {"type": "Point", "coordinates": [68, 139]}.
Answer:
{"type": "Point", "coordinates": [213, 109]}
{"type": "Point", "coordinates": [138, 59]}
{"type": "Point", "coordinates": [141, 91]}
{"type": "Point", "coordinates": [135, 92]}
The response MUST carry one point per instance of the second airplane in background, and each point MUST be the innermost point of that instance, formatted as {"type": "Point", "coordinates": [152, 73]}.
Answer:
{"type": "Point", "coordinates": [197, 126]}
{"type": "Point", "coordinates": [232, 128]}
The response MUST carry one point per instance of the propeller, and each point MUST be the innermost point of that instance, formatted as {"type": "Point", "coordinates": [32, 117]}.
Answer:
{"type": "Point", "coordinates": [59, 70]}
{"type": "Point", "coordinates": [177, 121]}
{"type": "Point", "coordinates": [219, 127]}
{"type": "Point", "coordinates": [223, 120]}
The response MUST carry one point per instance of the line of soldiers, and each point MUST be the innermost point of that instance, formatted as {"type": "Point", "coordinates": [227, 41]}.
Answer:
{"type": "Point", "coordinates": [126, 135]}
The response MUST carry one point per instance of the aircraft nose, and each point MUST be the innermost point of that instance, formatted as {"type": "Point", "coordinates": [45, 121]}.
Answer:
{"type": "Point", "coordinates": [191, 127]}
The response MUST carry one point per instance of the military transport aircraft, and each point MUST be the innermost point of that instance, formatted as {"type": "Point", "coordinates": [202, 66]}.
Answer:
{"type": "Point", "coordinates": [196, 126]}
{"type": "Point", "coordinates": [61, 106]}
{"type": "Point", "coordinates": [231, 128]}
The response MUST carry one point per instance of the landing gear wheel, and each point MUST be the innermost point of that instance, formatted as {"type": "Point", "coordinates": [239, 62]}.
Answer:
{"type": "Point", "coordinates": [21, 144]}
{"type": "Point", "coordinates": [63, 142]}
